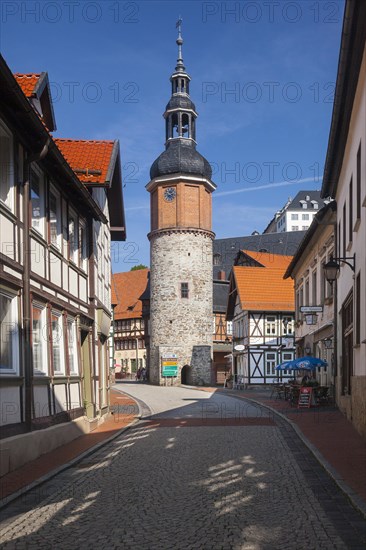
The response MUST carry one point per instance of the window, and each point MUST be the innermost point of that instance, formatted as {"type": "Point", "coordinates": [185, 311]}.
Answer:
{"type": "Point", "coordinates": [71, 346]}
{"type": "Point", "coordinates": [55, 219]}
{"type": "Point", "coordinates": [322, 283]}
{"type": "Point", "coordinates": [347, 345]}
{"type": "Point", "coordinates": [83, 246]}
{"type": "Point", "coordinates": [229, 328]}
{"type": "Point", "coordinates": [270, 364]}
{"type": "Point", "coordinates": [217, 259]}
{"type": "Point", "coordinates": [57, 343]}
{"type": "Point", "coordinates": [184, 290]}
{"type": "Point", "coordinates": [6, 167]}
{"type": "Point", "coordinates": [307, 296]}
{"type": "Point", "coordinates": [305, 216]}
{"type": "Point", "coordinates": [73, 238]}
{"type": "Point", "coordinates": [295, 228]}
{"type": "Point", "coordinates": [9, 342]}
{"type": "Point", "coordinates": [358, 184]}
{"type": "Point", "coordinates": [39, 340]}
{"type": "Point", "coordinates": [270, 325]}
{"type": "Point", "coordinates": [304, 227]}
{"type": "Point", "coordinates": [315, 205]}
{"type": "Point", "coordinates": [288, 327]}
{"type": "Point", "coordinates": [344, 221]}
{"type": "Point", "coordinates": [358, 310]}
{"type": "Point", "coordinates": [37, 202]}
{"type": "Point", "coordinates": [314, 288]}
{"type": "Point", "coordinates": [350, 211]}
{"type": "Point", "coordinates": [294, 216]}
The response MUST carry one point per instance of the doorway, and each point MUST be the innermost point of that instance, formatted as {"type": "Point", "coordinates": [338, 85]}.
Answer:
{"type": "Point", "coordinates": [87, 374]}
{"type": "Point", "coordinates": [186, 375]}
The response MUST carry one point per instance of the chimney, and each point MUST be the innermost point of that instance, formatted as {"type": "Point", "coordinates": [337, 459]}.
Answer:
{"type": "Point", "coordinates": [222, 275]}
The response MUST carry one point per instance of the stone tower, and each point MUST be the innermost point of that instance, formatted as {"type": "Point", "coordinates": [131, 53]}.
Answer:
{"type": "Point", "coordinates": [181, 244]}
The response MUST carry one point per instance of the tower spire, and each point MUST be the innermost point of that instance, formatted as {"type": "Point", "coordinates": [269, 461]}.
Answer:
{"type": "Point", "coordinates": [180, 65]}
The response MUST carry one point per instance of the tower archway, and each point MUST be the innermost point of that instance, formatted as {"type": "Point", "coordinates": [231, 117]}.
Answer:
{"type": "Point", "coordinates": [185, 375]}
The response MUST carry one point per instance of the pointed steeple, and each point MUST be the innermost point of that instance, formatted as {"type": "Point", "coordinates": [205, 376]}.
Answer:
{"type": "Point", "coordinates": [180, 65]}
{"type": "Point", "coordinates": [180, 126]}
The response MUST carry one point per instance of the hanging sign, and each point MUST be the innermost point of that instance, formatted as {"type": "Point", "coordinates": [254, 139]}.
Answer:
{"type": "Point", "coordinates": [305, 398]}
{"type": "Point", "coordinates": [311, 309]}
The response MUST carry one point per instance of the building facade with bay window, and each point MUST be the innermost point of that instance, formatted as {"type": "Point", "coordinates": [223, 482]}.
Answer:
{"type": "Point", "coordinates": [60, 206]}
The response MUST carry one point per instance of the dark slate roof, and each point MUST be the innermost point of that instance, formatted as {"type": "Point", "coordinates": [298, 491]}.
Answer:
{"type": "Point", "coordinates": [277, 243]}
{"type": "Point", "coordinates": [307, 196]}
{"type": "Point", "coordinates": [220, 296]}
{"type": "Point", "coordinates": [180, 101]}
{"type": "Point", "coordinates": [181, 157]}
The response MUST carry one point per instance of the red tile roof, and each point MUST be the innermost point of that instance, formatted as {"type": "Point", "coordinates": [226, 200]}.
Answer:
{"type": "Point", "coordinates": [27, 82]}
{"type": "Point", "coordinates": [126, 290]}
{"type": "Point", "coordinates": [264, 289]}
{"type": "Point", "coordinates": [86, 156]}
{"type": "Point", "coordinates": [269, 259]}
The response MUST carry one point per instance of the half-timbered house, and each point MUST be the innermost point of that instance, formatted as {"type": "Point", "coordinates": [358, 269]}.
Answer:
{"type": "Point", "coordinates": [129, 324]}
{"type": "Point", "coordinates": [54, 262]}
{"type": "Point", "coordinates": [261, 307]}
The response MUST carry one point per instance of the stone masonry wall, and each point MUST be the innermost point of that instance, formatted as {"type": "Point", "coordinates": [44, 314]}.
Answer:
{"type": "Point", "coordinates": [180, 325]}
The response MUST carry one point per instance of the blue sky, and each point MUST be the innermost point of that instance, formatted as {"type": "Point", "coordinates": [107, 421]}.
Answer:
{"type": "Point", "coordinates": [263, 75]}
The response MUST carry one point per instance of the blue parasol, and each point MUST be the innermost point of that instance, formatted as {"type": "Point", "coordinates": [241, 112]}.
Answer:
{"type": "Point", "coordinates": [302, 363]}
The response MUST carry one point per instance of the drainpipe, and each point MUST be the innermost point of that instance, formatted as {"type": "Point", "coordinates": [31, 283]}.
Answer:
{"type": "Point", "coordinates": [28, 357]}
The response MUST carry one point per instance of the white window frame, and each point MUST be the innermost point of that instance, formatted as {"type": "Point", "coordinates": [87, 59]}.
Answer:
{"type": "Point", "coordinates": [271, 323]}
{"type": "Point", "coordinates": [287, 356]}
{"type": "Point", "coordinates": [40, 229]}
{"type": "Point", "coordinates": [8, 182]}
{"type": "Point", "coordinates": [57, 196]}
{"type": "Point", "coordinates": [83, 246]}
{"type": "Point", "coordinates": [72, 349]}
{"type": "Point", "coordinates": [294, 216]}
{"type": "Point", "coordinates": [229, 328]}
{"type": "Point", "coordinates": [43, 347]}
{"type": "Point", "coordinates": [14, 368]}
{"type": "Point", "coordinates": [60, 341]}
{"type": "Point", "coordinates": [270, 363]}
{"type": "Point", "coordinates": [73, 250]}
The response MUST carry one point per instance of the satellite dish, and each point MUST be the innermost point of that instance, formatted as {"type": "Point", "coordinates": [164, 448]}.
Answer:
{"type": "Point", "coordinates": [239, 347]}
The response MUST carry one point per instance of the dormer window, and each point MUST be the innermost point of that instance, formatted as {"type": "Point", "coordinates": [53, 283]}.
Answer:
{"type": "Point", "coordinates": [315, 205]}
{"type": "Point", "coordinates": [217, 259]}
{"type": "Point", "coordinates": [303, 204]}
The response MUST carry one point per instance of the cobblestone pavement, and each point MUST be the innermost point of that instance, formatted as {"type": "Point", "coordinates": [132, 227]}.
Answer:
{"type": "Point", "coordinates": [202, 471]}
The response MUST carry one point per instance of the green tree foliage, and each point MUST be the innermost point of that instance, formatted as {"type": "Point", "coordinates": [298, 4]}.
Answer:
{"type": "Point", "coordinates": [136, 267]}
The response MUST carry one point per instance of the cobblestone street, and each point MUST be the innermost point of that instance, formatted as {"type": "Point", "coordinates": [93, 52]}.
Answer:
{"type": "Point", "coordinates": [200, 470]}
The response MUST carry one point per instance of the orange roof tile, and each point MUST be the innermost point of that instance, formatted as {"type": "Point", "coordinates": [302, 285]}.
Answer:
{"type": "Point", "coordinates": [269, 259]}
{"type": "Point", "coordinates": [87, 155]}
{"type": "Point", "coordinates": [27, 82]}
{"type": "Point", "coordinates": [126, 290]}
{"type": "Point", "coordinates": [264, 289]}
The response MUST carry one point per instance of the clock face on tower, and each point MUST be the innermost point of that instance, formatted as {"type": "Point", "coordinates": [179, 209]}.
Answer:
{"type": "Point", "coordinates": [169, 194]}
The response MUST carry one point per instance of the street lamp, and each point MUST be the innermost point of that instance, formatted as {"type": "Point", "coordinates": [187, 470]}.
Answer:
{"type": "Point", "coordinates": [311, 319]}
{"type": "Point", "coordinates": [328, 343]}
{"type": "Point", "coordinates": [332, 267]}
